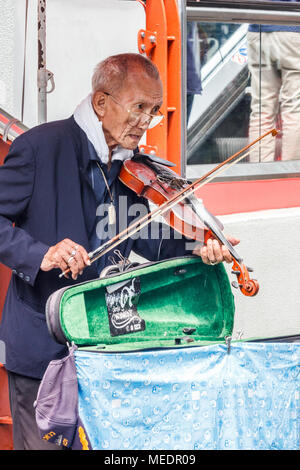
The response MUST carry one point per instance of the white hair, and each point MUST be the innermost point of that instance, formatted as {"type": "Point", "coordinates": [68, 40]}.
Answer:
{"type": "Point", "coordinates": [110, 74]}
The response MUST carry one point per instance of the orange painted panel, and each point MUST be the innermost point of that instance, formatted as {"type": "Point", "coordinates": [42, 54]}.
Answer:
{"type": "Point", "coordinates": [163, 22]}
{"type": "Point", "coordinates": [174, 84]}
{"type": "Point", "coordinates": [156, 22]}
{"type": "Point", "coordinates": [6, 440]}
{"type": "Point", "coordinates": [4, 147]}
{"type": "Point", "coordinates": [248, 196]}
{"type": "Point", "coordinates": [4, 400]}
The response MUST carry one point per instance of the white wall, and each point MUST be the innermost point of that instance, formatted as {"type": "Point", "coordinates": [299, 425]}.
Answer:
{"type": "Point", "coordinates": [80, 33]}
{"type": "Point", "coordinates": [270, 245]}
{"type": "Point", "coordinates": [7, 54]}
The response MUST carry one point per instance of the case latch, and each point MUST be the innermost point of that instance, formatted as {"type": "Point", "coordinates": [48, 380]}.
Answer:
{"type": "Point", "coordinates": [120, 265]}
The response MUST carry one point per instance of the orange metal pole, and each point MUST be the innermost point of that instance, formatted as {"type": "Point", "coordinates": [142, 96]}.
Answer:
{"type": "Point", "coordinates": [6, 442]}
{"type": "Point", "coordinates": [156, 26]}
{"type": "Point", "coordinates": [161, 42]}
{"type": "Point", "coordinates": [174, 84]}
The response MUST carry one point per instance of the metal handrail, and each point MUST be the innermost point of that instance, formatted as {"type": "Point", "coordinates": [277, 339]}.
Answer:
{"type": "Point", "coordinates": [251, 4]}
{"type": "Point", "coordinates": [10, 127]}
{"type": "Point", "coordinates": [206, 13]}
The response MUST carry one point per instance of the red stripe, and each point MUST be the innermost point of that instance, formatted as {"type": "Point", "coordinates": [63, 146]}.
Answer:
{"type": "Point", "coordinates": [233, 197]}
{"type": "Point", "coordinates": [247, 196]}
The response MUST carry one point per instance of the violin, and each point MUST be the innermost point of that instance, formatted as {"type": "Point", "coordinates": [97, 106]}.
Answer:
{"type": "Point", "coordinates": [152, 178]}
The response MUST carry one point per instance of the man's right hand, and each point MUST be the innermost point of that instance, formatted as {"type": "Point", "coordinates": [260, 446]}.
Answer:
{"type": "Point", "coordinates": [66, 255]}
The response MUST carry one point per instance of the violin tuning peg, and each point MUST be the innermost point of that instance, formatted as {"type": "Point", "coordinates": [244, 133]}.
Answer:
{"type": "Point", "coordinates": [236, 272]}
{"type": "Point", "coordinates": [250, 269]}
{"type": "Point", "coordinates": [235, 284]}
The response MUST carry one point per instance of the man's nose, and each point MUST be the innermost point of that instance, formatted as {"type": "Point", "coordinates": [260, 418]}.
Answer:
{"type": "Point", "coordinates": [144, 122]}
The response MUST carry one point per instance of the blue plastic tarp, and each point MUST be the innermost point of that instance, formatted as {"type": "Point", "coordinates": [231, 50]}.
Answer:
{"type": "Point", "coordinates": [192, 398]}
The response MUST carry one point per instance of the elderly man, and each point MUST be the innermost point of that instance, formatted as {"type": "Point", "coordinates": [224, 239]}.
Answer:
{"type": "Point", "coordinates": [53, 184]}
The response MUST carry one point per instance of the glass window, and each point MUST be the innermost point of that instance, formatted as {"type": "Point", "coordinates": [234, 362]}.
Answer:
{"type": "Point", "coordinates": [212, 118]}
{"type": "Point", "coordinates": [242, 81]}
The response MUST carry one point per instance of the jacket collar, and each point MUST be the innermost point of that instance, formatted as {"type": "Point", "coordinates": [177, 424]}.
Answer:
{"type": "Point", "coordinates": [80, 144]}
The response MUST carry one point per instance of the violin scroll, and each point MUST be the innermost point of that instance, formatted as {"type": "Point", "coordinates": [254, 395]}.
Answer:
{"type": "Point", "coordinates": [247, 286]}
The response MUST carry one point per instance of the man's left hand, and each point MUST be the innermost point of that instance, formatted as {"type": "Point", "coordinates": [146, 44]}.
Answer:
{"type": "Point", "coordinates": [214, 252]}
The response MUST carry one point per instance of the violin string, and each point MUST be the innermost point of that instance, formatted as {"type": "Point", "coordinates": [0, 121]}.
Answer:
{"type": "Point", "coordinates": [214, 171]}
{"type": "Point", "coordinates": [135, 229]}
{"type": "Point", "coordinates": [166, 206]}
{"type": "Point", "coordinates": [138, 225]}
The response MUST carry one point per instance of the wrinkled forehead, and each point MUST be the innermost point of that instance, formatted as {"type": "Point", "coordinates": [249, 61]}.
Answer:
{"type": "Point", "coordinates": [139, 87]}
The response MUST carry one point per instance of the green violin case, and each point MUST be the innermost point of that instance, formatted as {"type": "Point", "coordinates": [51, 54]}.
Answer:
{"type": "Point", "coordinates": [171, 303]}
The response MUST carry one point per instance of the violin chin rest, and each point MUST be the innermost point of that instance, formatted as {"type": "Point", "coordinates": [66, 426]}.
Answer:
{"type": "Point", "coordinates": [153, 158]}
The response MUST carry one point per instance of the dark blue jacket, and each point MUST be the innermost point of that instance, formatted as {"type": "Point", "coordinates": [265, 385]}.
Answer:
{"type": "Point", "coordinates": [46, 196]}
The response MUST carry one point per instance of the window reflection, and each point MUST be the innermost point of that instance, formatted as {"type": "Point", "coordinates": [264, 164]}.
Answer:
{"type": "Point", "coordinates": [219, 118]}
{"type": "Point", "coordinates": [274, 65]}
{"type": "Point", "coordinates": [250, 83]}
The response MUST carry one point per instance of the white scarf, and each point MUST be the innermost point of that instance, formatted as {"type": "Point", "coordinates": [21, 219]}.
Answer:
{"type": "Point", "coordinates": [87, 119]}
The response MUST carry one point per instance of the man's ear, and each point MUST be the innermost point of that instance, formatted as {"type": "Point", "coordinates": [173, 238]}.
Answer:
{"type": "Point", "coordinates": [99, 103]}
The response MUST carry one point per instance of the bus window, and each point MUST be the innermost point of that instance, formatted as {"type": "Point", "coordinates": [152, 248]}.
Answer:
{"type": "Point", "coordinates": [218, 110]}
{"type": "Point", "coordinates": [242, 80]}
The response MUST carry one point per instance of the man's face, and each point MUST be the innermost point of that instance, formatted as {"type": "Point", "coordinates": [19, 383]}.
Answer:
{"type": "Point", "coordinates": [139, 93]}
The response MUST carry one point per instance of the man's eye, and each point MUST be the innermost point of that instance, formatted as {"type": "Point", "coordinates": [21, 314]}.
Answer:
{"type": "Point", "coordinates": [155, 110]}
